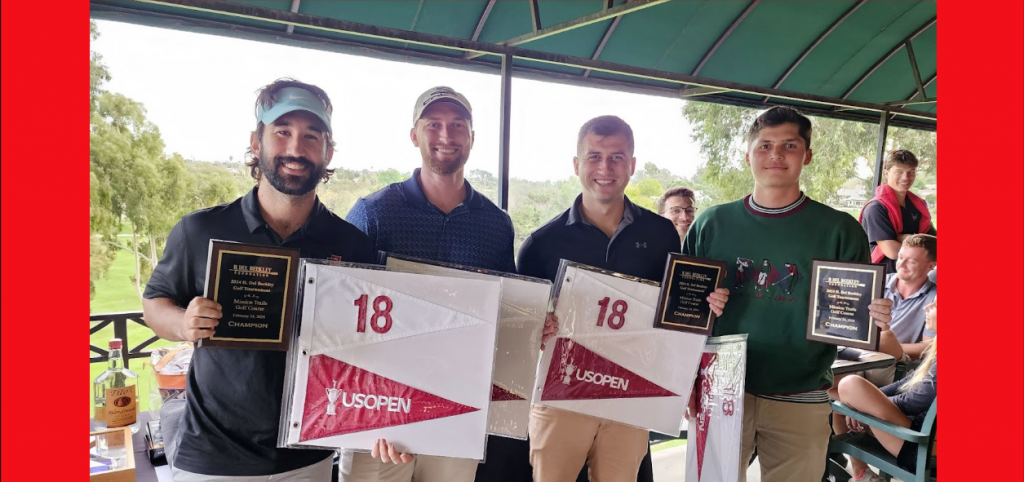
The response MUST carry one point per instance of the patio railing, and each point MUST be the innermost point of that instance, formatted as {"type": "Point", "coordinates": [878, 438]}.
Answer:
{"type": "Point", "coordinates": [120, 321]}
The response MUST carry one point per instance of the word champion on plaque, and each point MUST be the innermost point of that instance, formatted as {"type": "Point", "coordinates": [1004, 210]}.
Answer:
{"type": "Point", "coordinates": [683, 304]}
{"type": "Point", "coordinates": [255, 286]}
{"type": "Point", "coordinates": [841, 293]}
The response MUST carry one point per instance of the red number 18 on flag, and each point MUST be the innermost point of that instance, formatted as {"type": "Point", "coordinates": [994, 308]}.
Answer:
{"type": "Point", "coordinates": [378, 314]}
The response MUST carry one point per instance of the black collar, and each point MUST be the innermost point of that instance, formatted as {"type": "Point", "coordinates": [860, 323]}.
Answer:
{"type": "Point", "coordinates": [630, 212]}
{"type": "Point", "coordinates": [254, 217]}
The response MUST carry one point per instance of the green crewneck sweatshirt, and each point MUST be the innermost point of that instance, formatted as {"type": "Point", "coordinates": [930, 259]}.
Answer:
{"type": "Point", "coordinates": [769, 258]}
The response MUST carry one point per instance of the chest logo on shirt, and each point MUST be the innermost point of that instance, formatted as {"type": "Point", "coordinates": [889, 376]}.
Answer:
{"type": "Point", "coordinates": [641, 245]}
{"type": "Point", "coordinates": [765, 279]}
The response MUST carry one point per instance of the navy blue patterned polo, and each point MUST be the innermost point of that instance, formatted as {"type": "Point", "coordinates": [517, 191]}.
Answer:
{"type": "Point", "coordinates": [399, 219]}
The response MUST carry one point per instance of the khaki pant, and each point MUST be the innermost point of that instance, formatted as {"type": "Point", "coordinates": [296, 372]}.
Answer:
{"type": "Point", "coordinates": [791, 439]}
{"type": "Point", "coordinates": [562, 441]}
{"type": "Point", "coordinates": [318, 472]}
{"type": "Point", "coordinates": [361, 467]}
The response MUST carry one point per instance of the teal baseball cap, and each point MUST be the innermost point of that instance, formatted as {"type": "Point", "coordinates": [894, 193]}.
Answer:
{"type": "Point", "coordinates": [290, 99]}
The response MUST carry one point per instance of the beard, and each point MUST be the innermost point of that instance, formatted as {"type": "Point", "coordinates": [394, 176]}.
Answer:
{"type": "Point", "coordinates": [447, 168]}
{"type": "Point", "coordinates": [287, 183]}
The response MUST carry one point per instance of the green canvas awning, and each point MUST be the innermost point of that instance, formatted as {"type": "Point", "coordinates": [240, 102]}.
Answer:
{"type": "Point", "coordinates": [854, 60]}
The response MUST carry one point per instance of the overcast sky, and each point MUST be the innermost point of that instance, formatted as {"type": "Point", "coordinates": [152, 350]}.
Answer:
{"type": "Point", "coordinates": [199, 90]}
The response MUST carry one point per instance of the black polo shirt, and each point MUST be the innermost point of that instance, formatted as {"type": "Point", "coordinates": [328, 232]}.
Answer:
{"type": "Point", "coordinates": [876, 223]}
{"type": "Point", "coordinates": [638, 247]}
{"type": "Point", "coordinates": [231, 419]}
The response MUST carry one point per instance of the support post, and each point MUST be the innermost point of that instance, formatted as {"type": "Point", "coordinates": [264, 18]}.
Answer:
{"type": "Point", "coordinates": [505, 127]}
{"type": "Point", "coordinates": [883, 131]}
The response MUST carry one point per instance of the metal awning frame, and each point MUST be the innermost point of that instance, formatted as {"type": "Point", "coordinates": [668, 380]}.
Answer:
{"type": "Point", "coordinates": [888, 114]}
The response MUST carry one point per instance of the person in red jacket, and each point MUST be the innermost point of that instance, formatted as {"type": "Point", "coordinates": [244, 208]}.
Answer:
{"type": "Point", "coordinates": [895, 212]}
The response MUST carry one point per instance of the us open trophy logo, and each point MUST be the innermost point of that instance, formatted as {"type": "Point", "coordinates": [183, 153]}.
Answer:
{"type": "Point", "coordinates": [569, 369]}
{"type": "Point", "coordinates": [332, 397]}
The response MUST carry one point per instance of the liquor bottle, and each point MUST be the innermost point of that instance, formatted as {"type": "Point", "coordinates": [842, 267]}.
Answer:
{"type": "Point", "coordinates": [114, 392]}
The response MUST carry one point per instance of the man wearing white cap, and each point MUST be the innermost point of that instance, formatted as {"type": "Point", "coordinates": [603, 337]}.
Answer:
{"type": "Point", "coordinates": [435, 214]}
{"type": "Point", "coordinates": [229, 427]}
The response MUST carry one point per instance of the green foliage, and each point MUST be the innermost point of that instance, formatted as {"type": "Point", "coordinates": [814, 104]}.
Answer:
{"type": "Point", "coordinates": [838, 146]}
{"type": "Point", "coordinates": [97, 71]}
{"type": "Point", "coordinates": [390, 176]}
{"type": "Point", "coordinates": [100, 259]}
{"type": "Point", "coordinates": [721, 130]}
{"type": "Point", "coordinates": [132, 182]}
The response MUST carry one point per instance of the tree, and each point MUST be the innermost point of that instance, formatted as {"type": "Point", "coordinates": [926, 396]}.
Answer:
{"type": "Point", "coordinates": [645, 193]}
{"type": "Point", "coordinates": [663, 176]}
{"type": "Point", "coordinates": [98, 73]}
{"type": "Point", "coordinates": [126, 153]}
{"type": "Point", "coordinates": [102, 223]}
{"type": "Point", "coordinates": [130, 180]}
{"type": "Point", "coordinates": [720, 131]}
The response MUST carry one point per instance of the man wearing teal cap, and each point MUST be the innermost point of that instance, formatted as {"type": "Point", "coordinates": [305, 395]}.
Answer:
{"type": "Point", "coordinates": [228, 429]}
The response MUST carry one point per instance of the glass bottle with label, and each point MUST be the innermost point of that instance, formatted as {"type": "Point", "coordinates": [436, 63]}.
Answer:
{"type": "Point", "coordinates": [115, 393]}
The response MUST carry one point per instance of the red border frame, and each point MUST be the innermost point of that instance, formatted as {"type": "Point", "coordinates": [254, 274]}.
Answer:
{"type": "Point", "coordinates": [44, 56]}
{"type": "Point", "coordinates": [45, 201]}
{"type": "Point", "coordinates": [981, 45]}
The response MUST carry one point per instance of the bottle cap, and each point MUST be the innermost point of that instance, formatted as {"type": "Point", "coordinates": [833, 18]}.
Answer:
{"type": "Point", "coordinates": [115, 344]}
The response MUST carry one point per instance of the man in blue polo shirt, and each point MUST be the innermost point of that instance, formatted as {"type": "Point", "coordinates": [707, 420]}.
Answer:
{"type": "Point", "coordinates": [229, 427]}
{"type": "Point", "coordinates": [436, 215]}
{"type": "Point", "coordinates": [604, 229]}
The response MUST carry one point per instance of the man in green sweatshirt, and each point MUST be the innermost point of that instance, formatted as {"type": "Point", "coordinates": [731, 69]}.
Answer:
{"type": "Point", "coordinates": [786, 407]}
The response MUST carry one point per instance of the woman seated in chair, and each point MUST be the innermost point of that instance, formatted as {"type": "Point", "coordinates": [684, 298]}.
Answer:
{"type": "Point", "coordinates": [902, 403]}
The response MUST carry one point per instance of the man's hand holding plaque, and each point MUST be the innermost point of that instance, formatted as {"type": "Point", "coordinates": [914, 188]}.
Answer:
{"type": "Point", "coordinates": [846, 304]}
{"type": "Point", "coordinates": [249, 299]}
{"type": "Point", "coordinates": [690, 294]}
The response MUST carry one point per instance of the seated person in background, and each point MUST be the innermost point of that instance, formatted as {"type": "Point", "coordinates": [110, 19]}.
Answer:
{"type": "Point", "coordinates": [895, 212]}
{"type": "Point", "coordinates": [677, 205]}
{"type": "Point", "coordinates": [903, 403]}
{"type": "Point", "coordinates": [910, 290]}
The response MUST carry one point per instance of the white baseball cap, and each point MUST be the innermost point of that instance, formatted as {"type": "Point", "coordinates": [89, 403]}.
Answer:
{"type": "Point", "coordinates": [440, 94]}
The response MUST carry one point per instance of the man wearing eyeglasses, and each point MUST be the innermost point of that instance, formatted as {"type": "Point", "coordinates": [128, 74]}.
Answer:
{"type": "Point", "coordinates": [676, 205]}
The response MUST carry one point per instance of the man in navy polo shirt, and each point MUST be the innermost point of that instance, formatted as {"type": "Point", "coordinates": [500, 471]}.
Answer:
{"type": "Point", "coordinates": [604, 229]}
{"type": "Point", "coordinates": [230, 423]}
{"type": "Point", "coordinates": [436, 215]}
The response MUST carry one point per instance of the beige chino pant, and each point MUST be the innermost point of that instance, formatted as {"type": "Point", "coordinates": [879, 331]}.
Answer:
{"type": "Point", "coordinates": [361, 467]}
{"type": "Point", "coordinates": [791, 439]}
{"type": "Point", "coordinates": [562, 441]}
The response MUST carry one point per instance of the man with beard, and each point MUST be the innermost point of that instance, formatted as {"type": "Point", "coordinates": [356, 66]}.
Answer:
{"type": "Point", "coordinates": [436, 215]}
{"type": "Point", "coordinates": [230, 423]}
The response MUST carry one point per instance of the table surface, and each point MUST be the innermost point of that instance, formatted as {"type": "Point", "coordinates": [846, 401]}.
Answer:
{"type": "Point", "coordinates": [144, 470]}
{"type": "Point", "coordinates": [869, 360]}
